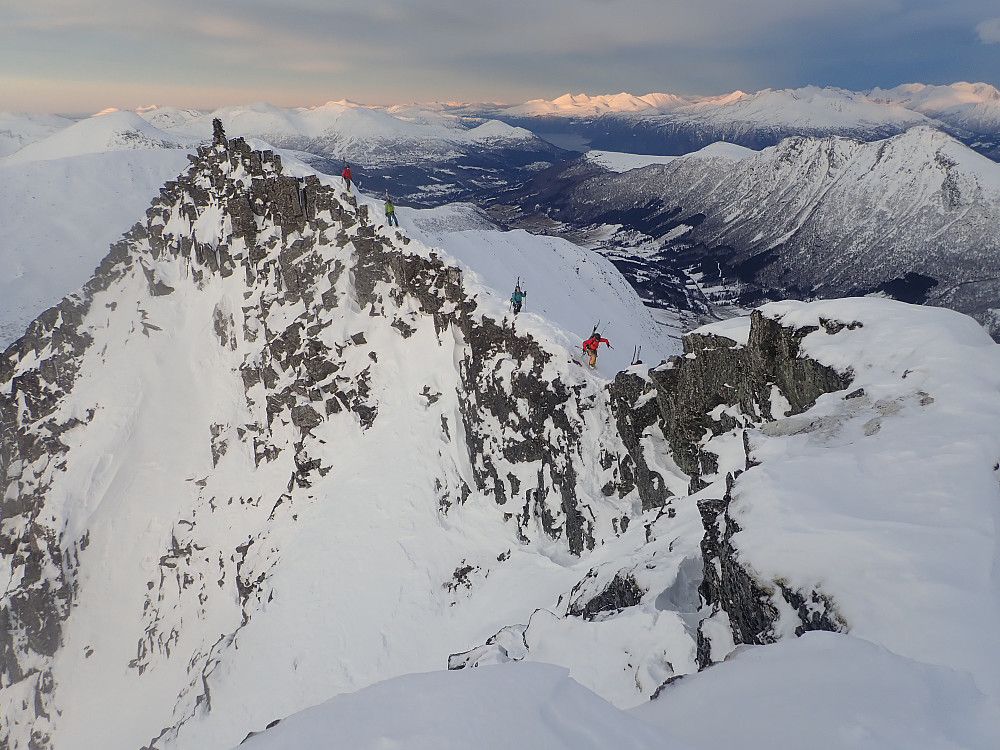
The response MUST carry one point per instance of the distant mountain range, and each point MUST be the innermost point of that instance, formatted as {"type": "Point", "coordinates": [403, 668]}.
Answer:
{"type": "Point", "coordinates": [427, 136]}
{"type": "Point", "coordinates": [915, 217]}
{"type": "Point", "coordinates": [421, 155]}
{"type": "Point", "coordinates": [781, 222]}
{"type": "Point", "coordinates": [670, 124]}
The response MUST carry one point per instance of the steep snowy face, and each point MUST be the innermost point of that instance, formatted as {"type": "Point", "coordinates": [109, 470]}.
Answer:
{"type": "Point", "coordinates": [59, 217]}
{"type": "Point", "coordinates": [272, 452]}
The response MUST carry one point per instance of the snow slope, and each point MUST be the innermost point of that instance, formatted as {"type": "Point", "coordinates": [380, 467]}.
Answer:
{"type": "Point", "coordinates": [277, 456]}
{"type": "Point", "coordinates": [883, 499]}
{"type": "Point", "coordinates": [58, 218]}
{"type": "Point", "coordinates": [70, 189]}
{"type": "Point", "coordinates": [868, 698]}
{"type": "Point", "coordinates": [569, 289]}
{"type": "Point", "coordinates": [583, 105]}
{"type": "Point", "coordinates": [114, 131]}
{"type": "Point", "coordinates": [619, 162]}
{"type": "Point", "coordinates": [373, 137]}
{"type": "Point", "coordinates": [831, 692]}
{"type": "Point", "coordinates": [18, 130]}
{"type": "Point", "coordinates": [493, 708]}
{"type": "Point", "coordinates": [975, 106]}
{"type": "Point", "coordinates": [915, 215]}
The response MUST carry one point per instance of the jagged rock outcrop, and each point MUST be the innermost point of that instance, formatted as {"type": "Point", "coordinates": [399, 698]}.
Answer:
{"type": "Point", "coordinates": [719, 386]}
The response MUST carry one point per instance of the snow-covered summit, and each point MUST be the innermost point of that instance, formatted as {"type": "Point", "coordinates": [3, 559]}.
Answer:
{"type": "Point", "coordinates": [915, 216]}
{"type": "Point", "coordinates": [619, 162]}
{"type": "Point", "coordinates": [806, 107]}
{"type": "Point", "coordinates": [668, 124]}
{"type": "Point", "coordinates": [972, 105]}
{"type": "Point", "coordinates": [18, 130]}
{"type": "Point", "coordinates": [112, 131]}
{"type": "Point", "coordinates": [583, 105]}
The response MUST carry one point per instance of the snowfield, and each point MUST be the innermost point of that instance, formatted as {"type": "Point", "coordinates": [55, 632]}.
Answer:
{"type": "Point", "coordinates": [492, 708]}
{"type": "Point", "coordinates": [835, 690]}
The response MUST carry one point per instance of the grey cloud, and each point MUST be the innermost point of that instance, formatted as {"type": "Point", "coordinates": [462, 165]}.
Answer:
{"type": "Point", "coordinates": [989, 31]}
{"type": "Point", "coordinates": [420, 49]}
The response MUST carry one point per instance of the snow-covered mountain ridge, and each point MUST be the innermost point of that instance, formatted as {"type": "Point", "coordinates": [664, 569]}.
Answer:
{"type": "Point", "coordinates": [274, 452]}
{"type": "Point", "coordinates": [250, 355]}
{"type": "Point", "coordinates": [804, 104]}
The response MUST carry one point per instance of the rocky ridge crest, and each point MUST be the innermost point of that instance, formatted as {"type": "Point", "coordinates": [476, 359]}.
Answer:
{"type": "Point", "coordinates": [308, 265]}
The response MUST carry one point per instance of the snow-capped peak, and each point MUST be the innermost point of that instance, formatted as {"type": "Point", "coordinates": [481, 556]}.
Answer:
{"type": "Point", "coordinates": [111, 130]}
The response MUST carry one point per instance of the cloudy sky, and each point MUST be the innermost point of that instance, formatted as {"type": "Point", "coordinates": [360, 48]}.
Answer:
{"type": "Point", "coordinates": [77, 56]}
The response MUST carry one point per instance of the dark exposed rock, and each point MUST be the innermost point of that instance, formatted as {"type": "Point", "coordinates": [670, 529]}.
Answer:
{"type": "Point", "coordinates": [717, 372]}
{"type": "Point", "coordinates": [489, 395]}
{"type": "Point", "coordinates": [634, 416]}
{"type": "Point", "coordinates": [622, 592]}
{"type": "Point", "coordinates": [718, 386]}
{"type": "Point", "coordinates": [815, 610]}
{"type": "Point", "coordinates": [714, 372]}
{"type": "Point", "coordinates": [306, 417]}
{"type": "Point", "coordinates": [727, 585]}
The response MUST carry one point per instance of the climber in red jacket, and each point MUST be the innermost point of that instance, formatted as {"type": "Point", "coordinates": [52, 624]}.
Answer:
{"type": "Point", "coordinates": [591, 344]}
